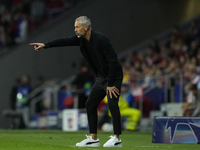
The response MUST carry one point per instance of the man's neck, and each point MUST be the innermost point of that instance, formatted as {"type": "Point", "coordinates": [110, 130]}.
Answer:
{"type": "Point", "coordinates": [88, 35]}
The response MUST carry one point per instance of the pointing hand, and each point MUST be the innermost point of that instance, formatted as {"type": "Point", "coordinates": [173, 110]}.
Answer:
{"type": "Point", "coordinates": [37, 46]}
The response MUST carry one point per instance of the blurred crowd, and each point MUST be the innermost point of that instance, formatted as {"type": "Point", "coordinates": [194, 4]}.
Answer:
{"type": "Point", "coordinates": [179, 51]}
{"type": "Point", "coordinates": [18, 18]}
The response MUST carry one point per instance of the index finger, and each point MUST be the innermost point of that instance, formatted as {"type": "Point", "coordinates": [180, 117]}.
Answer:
{"type": "Point", "coordinates": [33, 43]}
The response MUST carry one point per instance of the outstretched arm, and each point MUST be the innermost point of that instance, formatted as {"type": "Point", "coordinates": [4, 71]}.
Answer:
{"type": "Point", "coordinates": [63, 41]}
{"type": "Point", "coordinates": [38, 46]}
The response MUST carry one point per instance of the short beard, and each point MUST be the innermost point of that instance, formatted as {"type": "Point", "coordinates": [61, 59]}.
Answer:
{"type": "Point", "coordinates": [83, 35]}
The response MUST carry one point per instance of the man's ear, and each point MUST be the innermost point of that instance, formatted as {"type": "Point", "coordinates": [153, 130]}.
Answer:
{"type": "Point", "coordinates": [86, 27]}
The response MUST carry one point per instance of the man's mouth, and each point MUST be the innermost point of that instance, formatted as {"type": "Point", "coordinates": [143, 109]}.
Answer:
{"type": "Point", "coordinates": [78, 35]}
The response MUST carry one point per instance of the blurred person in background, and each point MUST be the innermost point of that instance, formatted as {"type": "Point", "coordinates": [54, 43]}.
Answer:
{"type": "Point", "coordinates": [101, 57]}
{"type": "Point", "coordinates": [192, 101]}
{"type": "Point", "coordinates": [13, 94]}
{"type": "Point", "coordinates": [149, 78]}
{"type": "Point", "coordinates": [47, 95]}
{"type": "Point", "coordinates": [82, 83]}
{"type": "Point", "coordinates": [193, 32]}
{"type": "Point", "coordinates": [177, 32]}
{"type": "Point", "coordinates": [22, 103]}
{"type": "Point", "coordinates": [193, 48]}
{"type": "Point", "coordinates": [37, 11]}
{"type": "Point", "coordinates": [154, 46]}
{"type": "Point", "coordinates": [22, 28]}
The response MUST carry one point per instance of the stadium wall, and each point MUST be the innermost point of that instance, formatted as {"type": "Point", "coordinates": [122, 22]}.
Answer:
{"type": "Point", "coordinates": [126, 23]}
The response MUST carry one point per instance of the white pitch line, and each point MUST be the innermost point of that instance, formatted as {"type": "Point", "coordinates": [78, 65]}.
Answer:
{"type": "Point", "coordinates": [85, 147]}
{"type": "Point", "coordinates": [155, 146]}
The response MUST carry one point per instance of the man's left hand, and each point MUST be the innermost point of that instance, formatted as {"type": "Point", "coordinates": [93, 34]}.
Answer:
{"type": "Point", "coordinates": [112, 90]}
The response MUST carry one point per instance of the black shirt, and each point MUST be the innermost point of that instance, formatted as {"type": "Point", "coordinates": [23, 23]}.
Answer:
{"type": "Point", "coordinates": [91, 52]}
{"type": "Point", "coordinates": [98, 52]}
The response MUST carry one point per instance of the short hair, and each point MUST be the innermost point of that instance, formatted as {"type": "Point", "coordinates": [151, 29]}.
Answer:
{"type": "Point", "coordinates": [84, 20]}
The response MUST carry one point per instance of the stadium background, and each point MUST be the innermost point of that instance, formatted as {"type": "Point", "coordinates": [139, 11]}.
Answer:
{"type": "Point", "coordinates": [126, 23]}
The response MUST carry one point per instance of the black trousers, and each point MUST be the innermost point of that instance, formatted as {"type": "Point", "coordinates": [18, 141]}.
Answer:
{"type": "Point", "coordinates": [97, 94]}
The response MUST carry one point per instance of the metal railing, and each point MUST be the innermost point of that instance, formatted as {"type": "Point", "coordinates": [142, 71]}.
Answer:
{"type": "Point", "coordinates": [55, 87]}
{"type": "Point", "coordinates": [167, 79]}
{"type": "Point", "coordinates": [161, 81]}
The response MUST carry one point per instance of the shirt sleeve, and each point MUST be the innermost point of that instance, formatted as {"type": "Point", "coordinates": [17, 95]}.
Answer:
{"type": "Point", "coordinates": [111, 58]}
{"type": "Point", "coordinates": [64, 41]}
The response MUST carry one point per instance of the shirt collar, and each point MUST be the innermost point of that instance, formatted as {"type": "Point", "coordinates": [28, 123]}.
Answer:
{"type": "Point", "coordinates": [91, 37]}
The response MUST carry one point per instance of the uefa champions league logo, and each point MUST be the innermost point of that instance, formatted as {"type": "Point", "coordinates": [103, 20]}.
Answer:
{"type": "Point", "coordinates": [174, 123]}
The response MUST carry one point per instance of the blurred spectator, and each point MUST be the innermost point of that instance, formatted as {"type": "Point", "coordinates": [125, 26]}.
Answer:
{"type": "Point", "coordinates": [192, 101]}
{"type": "Point", "coordinates": [154, 46]}
{"type": "Point", "coordinates": [193, 32]}
{"type": "Point", "coordinates": [190, 72]}
{"type": "Point", "coordinates": [173, 65]}
{"type": "Point", "coordinates": [13, 94]}
{"type": "Point", "coordinates": [83, 83]}
{"type": "Point", "coordinates": [165, 52]}
{"type": "Point", "coordinates": [198, 61]}
{"type": "Point", "coordinates": [134, 57]}
{"type": "Point", "coordinates": [22, 105]}
{"type": "Point", "coordinates": [22, 28]}
{"type": "Point", "coordinates": [47, 95]}
{"type": "Point", "coordinates": [149, 77]}
{"type": "Point", "coordinates": [193, 48]}
{"type": "Point", "coordinates": [126, 94]}
{"type": "Point", "coordinates": [37, 10]}
{"type": "Point", "coordinates": [177, 32]}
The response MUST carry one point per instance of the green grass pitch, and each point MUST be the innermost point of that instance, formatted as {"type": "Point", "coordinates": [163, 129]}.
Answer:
{"type": "Point", "coordinates": [59, 140]}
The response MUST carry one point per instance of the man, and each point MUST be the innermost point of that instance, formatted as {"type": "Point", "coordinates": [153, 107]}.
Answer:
{"type": "Point", "coordinates": [100, 55]}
